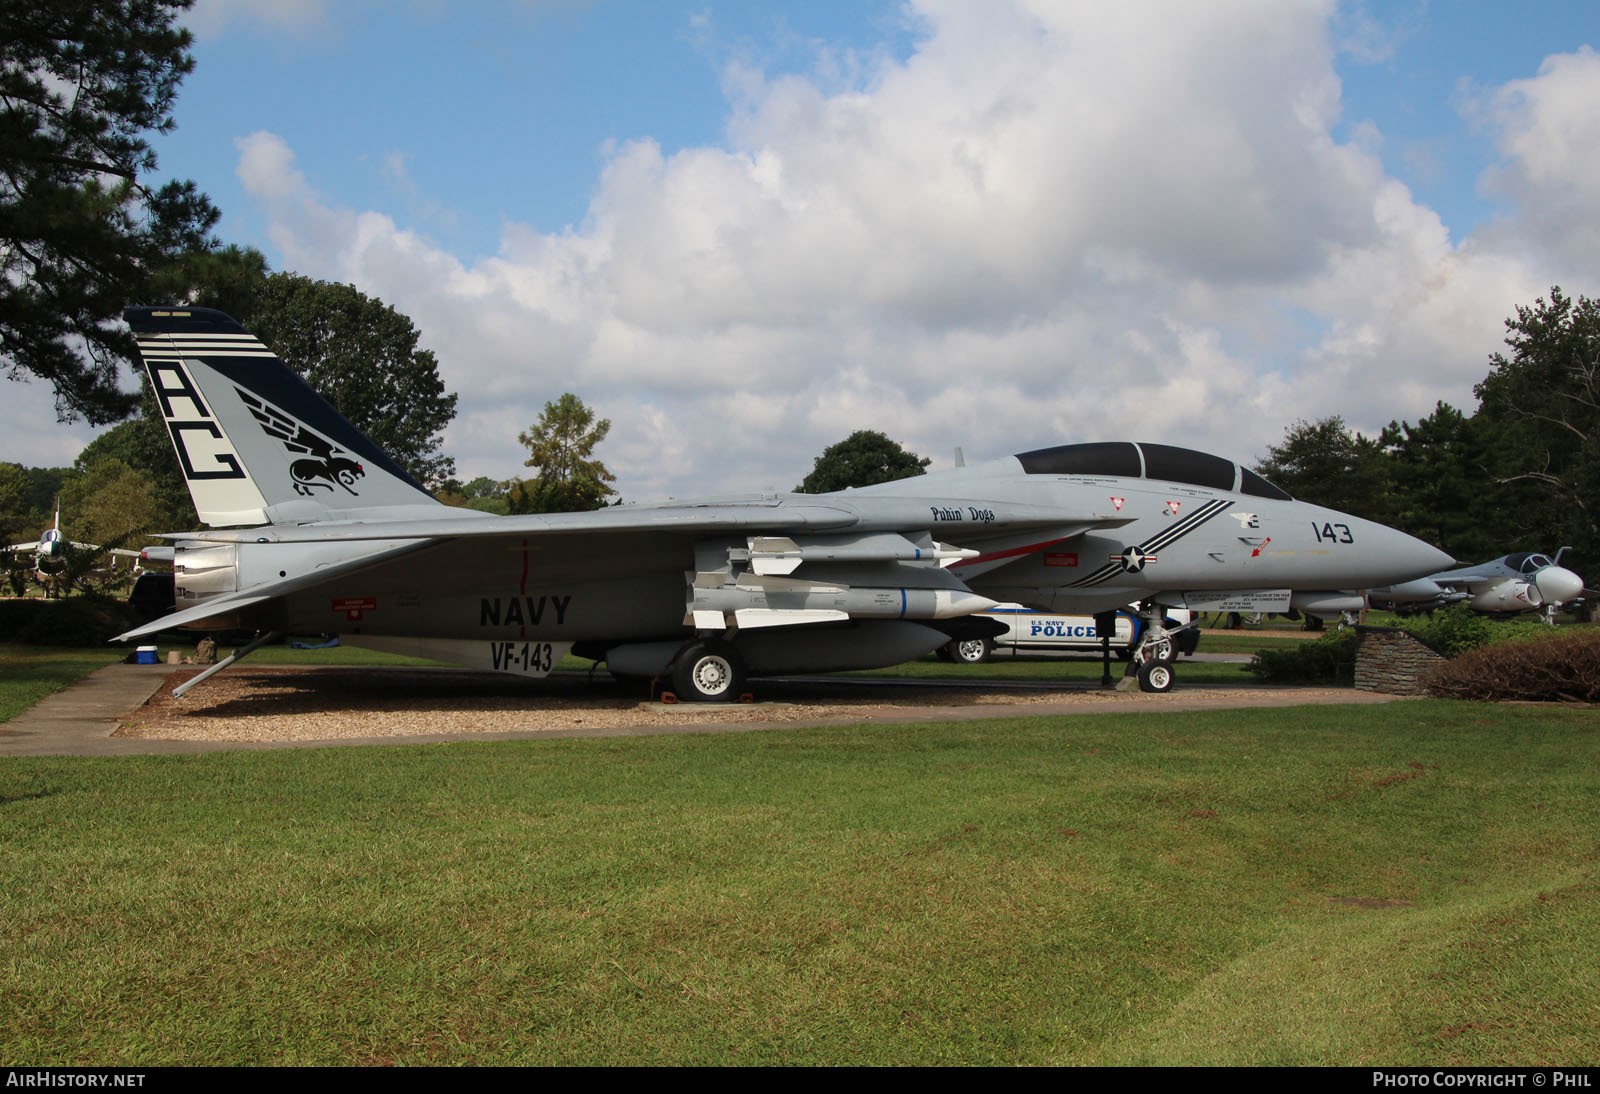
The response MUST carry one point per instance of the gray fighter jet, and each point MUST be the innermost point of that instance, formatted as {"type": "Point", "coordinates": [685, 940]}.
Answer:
{"type": "Point", "coordinates": [1522, 582]}
{"type": "Point", "coordinates": [52, 551]}
{"type": "Point", "coordinates": [316, 531]}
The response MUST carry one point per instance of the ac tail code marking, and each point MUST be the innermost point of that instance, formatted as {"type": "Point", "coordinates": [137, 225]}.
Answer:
{"type": "Point", "coordinates": [173, 386]}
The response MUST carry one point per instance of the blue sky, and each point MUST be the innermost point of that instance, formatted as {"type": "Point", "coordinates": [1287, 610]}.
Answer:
{"type": "Point", "coordinates": [1433, 59]}
{"type": "Point", "coordinates": [498, 109]}
{"type": "Point", "coordinates": [743, 230]}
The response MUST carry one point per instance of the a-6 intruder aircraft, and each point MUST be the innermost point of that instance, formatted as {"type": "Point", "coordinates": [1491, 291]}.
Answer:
{"type": "Point", "coordinates": [314, 530]}
{"type": "Point", "coordinates": [1523, 582]}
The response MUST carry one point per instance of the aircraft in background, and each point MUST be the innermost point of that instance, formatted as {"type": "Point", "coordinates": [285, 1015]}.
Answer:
{"type": "Point", "coordinates": [52, 549]}
{"type": "Point", "coordinates": [314, 530]}
{"type": "Point", "coordinates": [1523, 582]}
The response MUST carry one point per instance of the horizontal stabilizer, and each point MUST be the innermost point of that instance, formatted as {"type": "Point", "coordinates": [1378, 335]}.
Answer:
{"type": "Point", "coordinates": [268, 590]}
{"type": "Point", "coordinates": [191, 617]}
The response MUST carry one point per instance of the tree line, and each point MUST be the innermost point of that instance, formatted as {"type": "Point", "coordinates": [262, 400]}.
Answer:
{"type": "Point", "coordinates": [1522, 472]}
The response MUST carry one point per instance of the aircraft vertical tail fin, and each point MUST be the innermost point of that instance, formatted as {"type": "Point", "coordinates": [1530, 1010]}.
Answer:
{"type": "Point", "coordinates": [255, 443]}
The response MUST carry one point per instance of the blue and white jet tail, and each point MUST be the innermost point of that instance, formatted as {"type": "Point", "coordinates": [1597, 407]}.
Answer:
{"type": "Point", "coordinates": [255, 443]}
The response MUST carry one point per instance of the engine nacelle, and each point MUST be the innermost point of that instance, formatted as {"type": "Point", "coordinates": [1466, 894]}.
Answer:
{"type": "Point", "coordinates": [1508, 596]}
{"type": "Point", "coordinates": [201, 571]}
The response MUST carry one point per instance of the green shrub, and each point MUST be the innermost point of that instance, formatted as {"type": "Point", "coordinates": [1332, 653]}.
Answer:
{"type": "Point", "coordinates": [1331, 659]}
{"type": "Point", "coordinates": [1458, 629]}
{"type": "Point", "coordinates": [1557, 666]}
{"type": "Point", "coordinates": [77, 621]}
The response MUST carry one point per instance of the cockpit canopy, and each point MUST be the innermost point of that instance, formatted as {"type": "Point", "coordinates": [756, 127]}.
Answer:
{"type": "Point", "coordinates": [1528, 562]}
{"type": "Point", "coordinates": [1149, 461]}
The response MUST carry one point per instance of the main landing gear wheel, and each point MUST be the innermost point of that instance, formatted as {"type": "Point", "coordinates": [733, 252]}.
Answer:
{"type": "Point", "coordinates": [708, 672]}
{"type": "Point", "coordinates": [969, 651]}
{"type": "Point", "coordinates": [1156, 676]}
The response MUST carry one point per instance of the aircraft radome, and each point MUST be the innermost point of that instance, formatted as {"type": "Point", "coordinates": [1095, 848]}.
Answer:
{"type": "Point", "coordinates": [313, 530]}
{"type": "Point", "coordinates": [1523, 582]}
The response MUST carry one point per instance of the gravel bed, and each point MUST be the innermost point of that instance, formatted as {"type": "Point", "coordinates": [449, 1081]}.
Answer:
{"type": "Point", "coordinates": [292, 704]}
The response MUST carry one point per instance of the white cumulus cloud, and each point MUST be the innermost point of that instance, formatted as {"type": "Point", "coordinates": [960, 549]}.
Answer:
{"type": "Point", "coordinates": [1050, 223]}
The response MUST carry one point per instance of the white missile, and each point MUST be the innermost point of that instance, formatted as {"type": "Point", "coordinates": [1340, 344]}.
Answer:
{"type": "Point", "coordinates": [808, 601]}
{"type": "Point", "coordinates": [782, 555]}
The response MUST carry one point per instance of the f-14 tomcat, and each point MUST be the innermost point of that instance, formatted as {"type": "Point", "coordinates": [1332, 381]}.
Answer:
{"type": "Point", "coordinates": [313, 530]}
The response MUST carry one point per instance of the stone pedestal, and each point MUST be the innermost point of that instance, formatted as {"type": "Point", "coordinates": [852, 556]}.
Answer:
{"type": "Point", "coordinates": [1392, 661]}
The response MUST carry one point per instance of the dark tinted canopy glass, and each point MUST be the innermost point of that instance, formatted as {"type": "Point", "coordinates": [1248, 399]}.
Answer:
{"type": "Point", "coordinates": [1527, 563]}
{"type": "Point", "coordinates": [1252, 483]}
{"type": "Point", "coordinates": [1162, 461]}
{"type": "Point", "coordinates": [1153, 461]}
{"type": "Point", "coordinates": [1105, 458]}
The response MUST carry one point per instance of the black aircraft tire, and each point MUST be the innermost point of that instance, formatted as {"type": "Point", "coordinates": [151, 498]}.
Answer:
{"type": "Point", "coordinates": [1156, 676]}
{"type": "Point", "coordinates": [968, 651]}
{"type": "Point", "coordinates": [708, 672]}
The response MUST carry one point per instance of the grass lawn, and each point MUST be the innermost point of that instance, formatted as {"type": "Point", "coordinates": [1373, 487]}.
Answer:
{"type": "Point", "coordinates": [1408, 884]}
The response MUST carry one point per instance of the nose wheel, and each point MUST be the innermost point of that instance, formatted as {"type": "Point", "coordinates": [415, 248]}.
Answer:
{"type": "Point", "coordinates": [1151, 662]}
{"type": "Point", "coordinates": [1156, 676]}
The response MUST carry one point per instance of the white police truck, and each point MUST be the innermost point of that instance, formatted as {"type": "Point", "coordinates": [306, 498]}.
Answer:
{"type": "Point", "coordinates": [1027, 629]}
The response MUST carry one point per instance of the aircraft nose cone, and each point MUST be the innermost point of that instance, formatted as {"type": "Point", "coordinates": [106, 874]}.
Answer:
{"type": "Point", "coordinates": [1415, 557]}
{"type": "Point", "coordinates": [1388, 557]}
{"type": "Point", "coordinates": [1557, 584]}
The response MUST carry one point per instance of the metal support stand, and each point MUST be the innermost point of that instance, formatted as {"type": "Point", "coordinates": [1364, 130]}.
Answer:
{"type": "Point", "coordinates": [255, 644]}
{"type": "Point", "coordinates": [1105, 625]}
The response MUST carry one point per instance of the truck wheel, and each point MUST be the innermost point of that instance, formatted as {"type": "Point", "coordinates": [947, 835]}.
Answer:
{"type": "Point", "coordinates": [1156, 676]}
{"type": "Point", "coordinates": [708, 672]}
{"type": "Point", "coordinates": [969, 651]}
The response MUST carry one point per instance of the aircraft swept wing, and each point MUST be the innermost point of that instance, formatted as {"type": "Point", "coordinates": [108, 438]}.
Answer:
{"type": "Point", "coordinates": [314, 530]}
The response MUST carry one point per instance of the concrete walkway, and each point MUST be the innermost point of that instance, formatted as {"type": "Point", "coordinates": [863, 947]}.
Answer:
{"type": "Point", "coordinates": [80, 721]}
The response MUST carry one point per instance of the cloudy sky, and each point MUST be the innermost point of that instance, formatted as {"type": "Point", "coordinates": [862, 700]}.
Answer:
{"type": "Point", "coordinates": [743, 230]}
